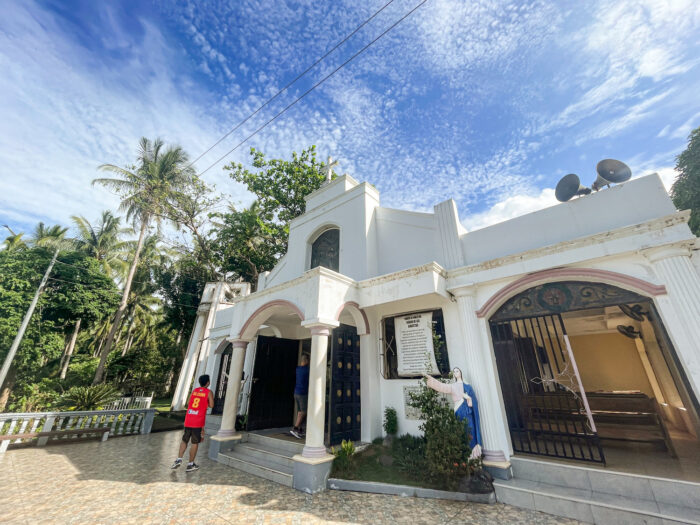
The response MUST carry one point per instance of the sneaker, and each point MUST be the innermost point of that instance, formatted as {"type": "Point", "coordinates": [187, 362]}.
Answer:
{"type": "Point", "coordinates": [296, 433]}
{"type": "Point", "coordinates": [191, 467]}
{"type": "Point", "coordinates": [177, 463]}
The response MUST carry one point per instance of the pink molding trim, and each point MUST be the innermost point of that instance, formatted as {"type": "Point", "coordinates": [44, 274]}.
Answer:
{"type": "Point", "coordinates": [239, 343]}
{"type": "Point", "coordinates": [222, 346]}
{"type": "Point", "coordinates": [356, 306]}
{"type": "Point", "coordinates": [267, 306]}
{"type": "Point", "coordinates": [563, 274]}
{"type": "Point", "coordinates": [320, 330]}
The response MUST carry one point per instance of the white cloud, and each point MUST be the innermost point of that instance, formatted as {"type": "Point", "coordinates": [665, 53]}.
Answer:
{"type": "Point", "coordinates": [510, 208]}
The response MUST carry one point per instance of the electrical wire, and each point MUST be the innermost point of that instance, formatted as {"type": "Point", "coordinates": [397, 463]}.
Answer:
{"type": "Point", "coordinates": [293, 81]}
{"type": "Point", "coordinates": [341, 66]}
{"type": "Point", "coordinates": [134, 280]}
{"type": "Point", "coordinates": [119, 294]}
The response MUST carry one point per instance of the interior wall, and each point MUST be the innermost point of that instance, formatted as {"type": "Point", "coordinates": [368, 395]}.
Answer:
{"type": "Point", "coordinates": [609, 361]}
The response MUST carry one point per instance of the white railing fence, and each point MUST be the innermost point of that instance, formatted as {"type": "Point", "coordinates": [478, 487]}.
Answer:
{"type": "Point", "coordinates": [138, 400]}
{"type": "Point", "coordinates": [119, 422]}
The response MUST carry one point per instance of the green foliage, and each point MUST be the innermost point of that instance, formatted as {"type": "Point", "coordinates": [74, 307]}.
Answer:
{"type": "Point", "coordinates": [377, 441]}
{"type": "Point", "coordinates": [246, 244]}
{"type": "Point", "coordinates": [343, 454]}
{"type": "Point", "coordinates": [446, 446]}
{"type": "Point", "coordinates": [391, 421]}
{"type": "Point", "coordinates": [92, 397]}
{"type": "Point", "coordinates": [409, 454]}
{"type": "Point", "coordinates": [685, 191]}
{"type": "Point", "coordinates": [36, 397]}
{"type": "Point", "coordinates": [280, 185]}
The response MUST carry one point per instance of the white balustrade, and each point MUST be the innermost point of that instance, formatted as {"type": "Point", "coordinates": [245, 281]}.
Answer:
{"type": "Point", "coordinates": [120, 423]}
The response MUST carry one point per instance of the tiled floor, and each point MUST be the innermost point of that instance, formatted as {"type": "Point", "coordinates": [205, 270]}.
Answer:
{"type": "Point", "coordinates": [128, 480]}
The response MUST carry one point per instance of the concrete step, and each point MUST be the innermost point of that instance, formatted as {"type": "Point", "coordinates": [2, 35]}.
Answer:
{"type": "Point", "coordinates": [280, 445]}
{"type": "Point", "coordinates": [265, 455]}
{"type": "Point", "coordinates": [281, 475]}
{"type": "Point", "coordinates": [662, 491]}
{"type": "Point", "coordinates": [591, 506]}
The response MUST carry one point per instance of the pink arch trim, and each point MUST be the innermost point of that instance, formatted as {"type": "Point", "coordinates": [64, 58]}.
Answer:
{"type": "Point", "coordinates": [256, 314]}
{"type": "Point", "coordinates": [356, 306]}
{"type": "Point", "coordinates": [562, 274]}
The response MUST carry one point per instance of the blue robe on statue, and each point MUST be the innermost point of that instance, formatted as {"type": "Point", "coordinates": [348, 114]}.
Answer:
{"type": "Point", "coordinates": [470, 416]}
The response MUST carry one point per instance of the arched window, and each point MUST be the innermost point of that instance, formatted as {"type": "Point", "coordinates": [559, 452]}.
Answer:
{"type": "Point", "coordinates": [325, 250]}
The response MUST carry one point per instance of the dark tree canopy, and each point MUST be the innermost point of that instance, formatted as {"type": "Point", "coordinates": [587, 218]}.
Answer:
{"type": "Point", "coordinates": [686, 188]}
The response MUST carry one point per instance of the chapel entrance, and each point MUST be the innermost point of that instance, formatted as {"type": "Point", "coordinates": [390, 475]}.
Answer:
{"type": "Point", "coordinates": [272, 390]}
{"type": "Point", "coordinates": [588, 373]}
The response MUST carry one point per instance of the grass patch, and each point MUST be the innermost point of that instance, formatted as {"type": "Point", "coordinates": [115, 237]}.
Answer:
{"type": "Point", "coordinates": [162, 404]}
{"type": "Point", "coordinates": [367, 467]}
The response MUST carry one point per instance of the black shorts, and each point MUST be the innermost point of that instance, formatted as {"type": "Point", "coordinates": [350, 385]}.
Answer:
{"type": "Point", "coordinates": [195, 434]}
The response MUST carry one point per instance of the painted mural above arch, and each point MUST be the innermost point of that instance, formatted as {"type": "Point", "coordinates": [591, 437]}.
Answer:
{"type": "Point", "coordinates": [643, 288]}
{"type": "Point", "coordinates": [564, 296]}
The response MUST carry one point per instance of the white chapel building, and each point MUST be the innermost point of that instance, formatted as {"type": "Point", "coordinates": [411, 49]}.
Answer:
{"type": "Point", "coordinates": [564, 321]}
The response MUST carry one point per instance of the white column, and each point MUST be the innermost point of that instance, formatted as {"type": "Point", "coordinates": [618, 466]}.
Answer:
{"type": "Point", "coordinates": [182, 390]}
{"type": "Point", "coordinates": [315, 416]}
{"type": "Point", "coordinates": [681, 308]}
{"type": "Point", "coordinates": [370, 394]}
{"type": "Point", "coordinates": [233, 388]}
{"type": "Point", "coordinates": [481, 373]}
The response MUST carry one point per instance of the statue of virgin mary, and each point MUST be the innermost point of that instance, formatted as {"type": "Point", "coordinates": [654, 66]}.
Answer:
{"type": "Point", "coordinates": [465, 406]}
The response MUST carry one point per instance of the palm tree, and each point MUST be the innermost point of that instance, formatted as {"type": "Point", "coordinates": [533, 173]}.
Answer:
{"type": "Point", "coordinates": [50, 237]}
{"type": "Point", "coordinates": [13, 242]}
{"type": "Point", "coordinates": [54, 238]}
{"type": "Point", "coordinates": [146, 190]}
{"type": "Point", "coordinates": [102, 241]}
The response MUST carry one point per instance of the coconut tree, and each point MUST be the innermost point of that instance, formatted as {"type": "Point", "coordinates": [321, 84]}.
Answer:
{"type": "Point", "coordinates": [147, 190]}
{"type": "Point", "coordinates": [54, 238]}
{"type": "Point", "coordinates": [13, 241]}
{"type": "Point", "coordinates": [102, 241]}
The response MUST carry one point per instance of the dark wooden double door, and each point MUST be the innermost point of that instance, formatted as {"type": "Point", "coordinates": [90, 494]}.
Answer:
{"type": "Point", "coordinates": [344, 412]}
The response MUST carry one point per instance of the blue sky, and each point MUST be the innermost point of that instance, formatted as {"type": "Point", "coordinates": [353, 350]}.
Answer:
{"type": "Point", "coordinates": [486, 102]}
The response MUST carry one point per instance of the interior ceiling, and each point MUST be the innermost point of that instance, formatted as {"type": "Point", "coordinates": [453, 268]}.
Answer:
{"type": "Point", "coordinates": [595, 321]}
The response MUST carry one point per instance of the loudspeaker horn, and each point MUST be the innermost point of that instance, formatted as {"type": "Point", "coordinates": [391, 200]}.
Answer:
{"type": "Point", "coordinates": [628, 331]}
{"type": "Point", "coordinates": [569, 186]}
{"type": "Point", "coordinates": [611, 171]}
{"type": "Point", "coordinates": [635, 312]}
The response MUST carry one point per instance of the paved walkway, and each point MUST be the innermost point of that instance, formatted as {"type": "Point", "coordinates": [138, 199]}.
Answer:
{"type": "Point", "coordinates": [128, 480]}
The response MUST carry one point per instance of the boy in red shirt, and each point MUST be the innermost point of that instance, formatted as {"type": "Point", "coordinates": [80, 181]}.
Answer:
{"type": "Point", "coordinates": [201, 399]}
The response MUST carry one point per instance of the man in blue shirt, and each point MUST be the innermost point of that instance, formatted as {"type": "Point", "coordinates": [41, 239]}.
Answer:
{"type": "Point", "coordinates": [301, 392]}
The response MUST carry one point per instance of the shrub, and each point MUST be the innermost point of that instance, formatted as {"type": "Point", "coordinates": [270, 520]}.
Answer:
{"type": "Point", "coordinates": [391, 421]}
{"type": "Point", "coordinates": [342, 463]}
{"type": "Point", "coordinates": [89, 397]}
{"type": "Point", "coordinates": [377, 441]}
{"type": "Point", "coordinates": [446, 446]}
{"type": "Point", "coordinates": [36, 397]}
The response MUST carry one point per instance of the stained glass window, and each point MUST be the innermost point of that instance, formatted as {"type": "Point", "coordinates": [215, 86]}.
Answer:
{"type": "Point", "coordinates": [325, 250]}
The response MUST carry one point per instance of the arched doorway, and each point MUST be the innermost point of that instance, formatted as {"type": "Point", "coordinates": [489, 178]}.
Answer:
{"type": "Point", "coordinates": [587, 369]}
{"type": "Point", "coordinates": [222, 380]}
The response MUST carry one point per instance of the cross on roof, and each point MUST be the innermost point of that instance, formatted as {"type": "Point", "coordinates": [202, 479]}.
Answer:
{"type": "Point", "coordinates": [327, 170]}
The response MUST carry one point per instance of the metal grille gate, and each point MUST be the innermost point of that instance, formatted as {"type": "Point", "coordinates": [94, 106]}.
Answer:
{"type": "Point", "coordinates": [545, 403]}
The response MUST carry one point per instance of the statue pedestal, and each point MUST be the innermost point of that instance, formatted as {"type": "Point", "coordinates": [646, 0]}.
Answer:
{"type": "Point", "coordinates": [498, 469]}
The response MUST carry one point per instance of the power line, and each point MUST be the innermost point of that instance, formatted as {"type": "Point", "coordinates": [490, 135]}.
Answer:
{"type": "Point", "coordinates": [137, 281]}
{"type": "Point", "coordinates": [112, 291]}
{"type": "Point", "coordinates": [313, 87]}
{"type": "Point", "coordinates": [292, 82]}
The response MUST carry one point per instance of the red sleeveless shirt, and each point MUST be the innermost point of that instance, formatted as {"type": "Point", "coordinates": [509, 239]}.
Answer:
{"type": "Point", "coordinates": [197, 408]}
